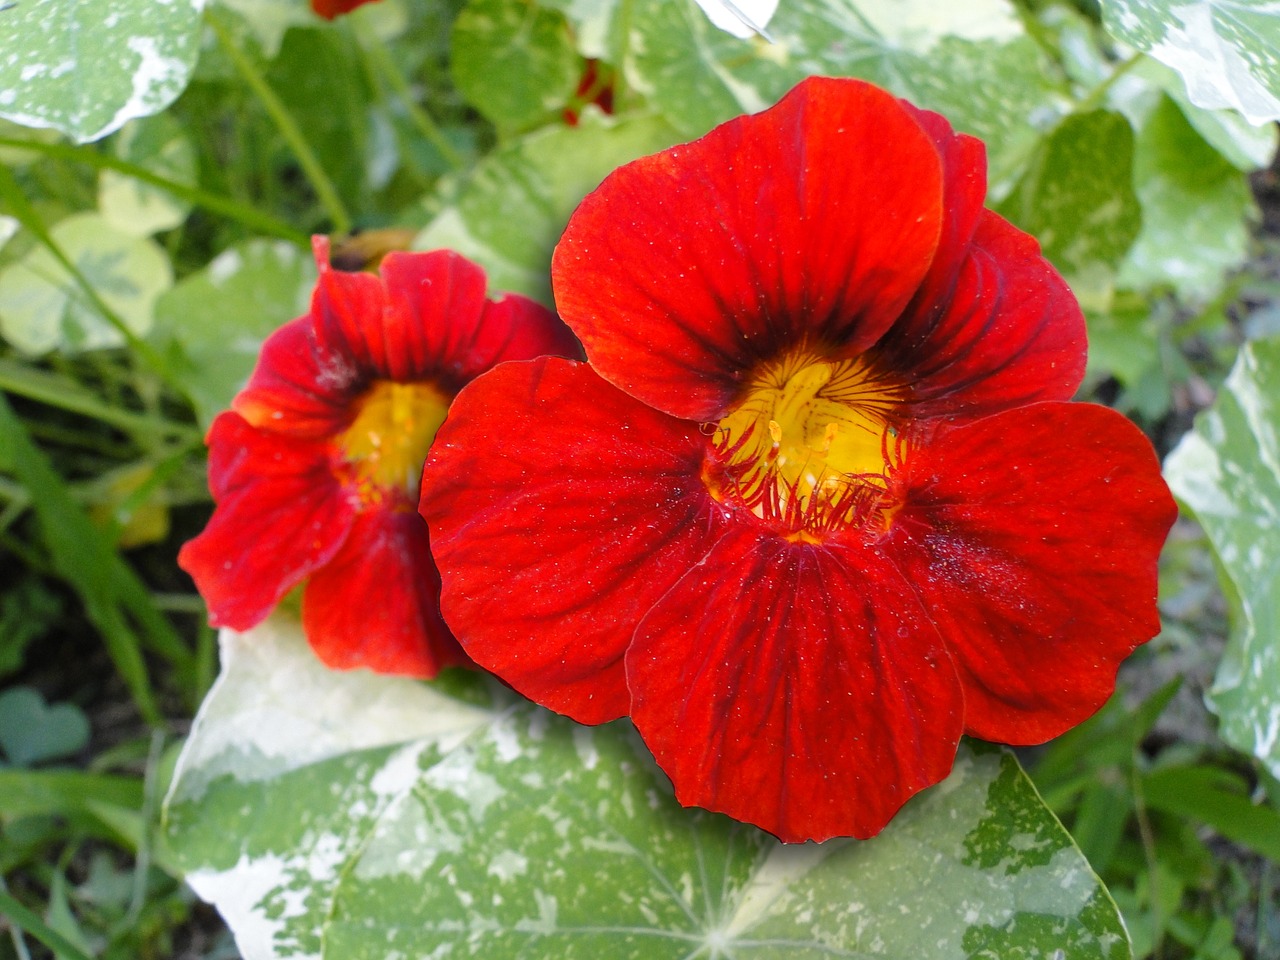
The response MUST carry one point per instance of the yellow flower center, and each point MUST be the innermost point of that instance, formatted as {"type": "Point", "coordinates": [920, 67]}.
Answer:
{"type": "Point", "coordinates": [811, 445]}
{"type": "Point", "coordinates": [387, 443]}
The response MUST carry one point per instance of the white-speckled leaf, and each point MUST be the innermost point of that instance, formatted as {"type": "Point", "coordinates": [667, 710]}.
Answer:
{"type": "Point", "coordinates": [741, 18]}
{"type": "Point", "coordinates": [1196, 209]}
{"type": "Point", "coordinates": [1077, 198]}
{"type": "Point", "coordinates": [1227, 51]}
{"type": "Point", "coordinates": [514, 62]}
{"type": "Point", "coordinates": [43, 308]}
{"type": "Point", "coordinates": [160, 145]}
{"type": "Point", "coordinates": [353, 817]}
{"type": "Point", "coordinates": [87, 68]}
{"type": "Point", "coordinates": [593, 25]}
{"type": "Point", "coordinates": [972, 62]}
{"type": "Point", "coordinates": [1243, 145]}
{"type": "Point", "coordinates": [1227, 471]}
{"type": "Point", "coordinates": [508, 213]}
{"type": "Point", "coordinates": [219, 316]}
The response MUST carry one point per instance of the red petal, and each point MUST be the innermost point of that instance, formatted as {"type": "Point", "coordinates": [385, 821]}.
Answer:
{"type": "Point", "coordinates": [560, 510]}
{"type": "Point", "coordinates": [813, 222]}
{"type": "Point", "coordinates": [332, 8]}
{"type": "Point", "coordinates": [993, 325]}
{"type": "Point", "coordinates": [280, 515]}
{"type": "Point", "coordinates": [376, 603]}
{"type": "Point", "coordinates": [441, 323]}
{"type": "Point", "coordinates": [1032, 537]}
{"type": "Point", "coordinates": [349, 314]}
{"type": "Point", "coordinates": [964, 172]}
{"type": "Point", "coordinates": [1008, 333]}
{"type": "Point", "coordinates": [801, 689]}
{"type": "Point", "coordinates": [298, 388]}
{"type": "Point", "coordinates": [427, 318]}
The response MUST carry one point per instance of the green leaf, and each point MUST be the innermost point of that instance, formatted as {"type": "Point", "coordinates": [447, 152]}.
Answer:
{"type": "Point", "coordinates": [514, 62]}
{"type": "Point", "coordinates": [347, 815]}
{"type": "Point", "coordinates": [159, 145]}
{"type": "Point", "coordinates": [593, 25]}
{"type": "Point", "coordinates": [31, 731]}
{"type": "Point", "coordinates": [87, 68]}
{"type": "Point", "coordinates": [509, 212]}
{"type": "Point", "coordinates": [8, 228]}
{"type": "Point", "coordinates": [26, 793]}
{"type": "Point", "coordinates": [1195, 210]}
{"type": "Point", "coordinates": [1077, 198]}
{"type": "Point", "coordinates": [43, 308]}
{"type": "Point", "coordinates": [23, 919]}
{"type": "Point", "coordinates": [220, 316]}
{"type": "Point", "coordinates": [329, 101]}
{"type": "Point", "coordinates": [1227, 472]}
{"type": "Point", "coordinates": [1243, 145]}
{"type": "Point", "coordinates": [1218, 798]}
{"type": "Point", "coordinates": [269, 20]}
{"type": "Point", "coordinates": [1227, 51]}
{"type": "Point", "coordinates": [115, 600]}
{"type": "Point", "coordinates": [972, 62]}
{"type": "Point", "coordinates": [27, 610]}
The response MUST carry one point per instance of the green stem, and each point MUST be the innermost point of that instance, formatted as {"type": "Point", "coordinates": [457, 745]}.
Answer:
{"type": "Point", "coordinates": [1094, 97]}
{"type": "Point", "coordinates": [1147, 837]}
{"type": "Point", "coordinates": [188, 603]}
{"type": "Point", "coordinates": [28, 217]}
{"type": "Point", "coordinates": [225, 206]}
{"type": "Point", "coordinates": [15, 932]}
{"type": "Point", "coordinates": [385, 65]}
{"type": "Point", "coordinates": [27, 920]}
{"type": "Point", "coordinates": [206, 658]}
{"type": "Point", "coordinates": [56, 392]}
{"type": "Point", "coordinates": [620, 92]}
{"type": "Point", "coordinates": [143, 858]}
{"type": "Point", "coordinates": [288, 127]}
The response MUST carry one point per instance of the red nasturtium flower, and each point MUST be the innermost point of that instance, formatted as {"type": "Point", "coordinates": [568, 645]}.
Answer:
{"type": "Point", "coordinates": [816, 505]}
{"type": "Point", "coordinates": [315, 469]}
{"type": "Point", "coordinates": [333, 8]}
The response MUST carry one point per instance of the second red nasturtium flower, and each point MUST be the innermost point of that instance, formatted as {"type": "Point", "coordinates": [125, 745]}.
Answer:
{"type": "Point", "coordinates": [315, 469]}
{"type": "Point", "coordinates": [329, 9]}
{"type": "Point", "coordinates": [817, 505]}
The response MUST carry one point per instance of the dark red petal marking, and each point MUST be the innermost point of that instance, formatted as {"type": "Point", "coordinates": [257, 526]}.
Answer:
{"type": "Point", "coordinates": [280, 515]}
{"type": "Point", "coordinates": [798, 688]}
{"type": "Point", "coordinates": [1008, 333]}
{"type": "Point", "coordinates": [1032, 537]}
{"type": "Point", "coordinates": [814, 221]}
{"type": "Point", "coordinates": [964, 191]}
{"type": "Point", "coordinates": [297, 387]}
{"type": "Point", "coordinates": [560, 510]}
{"type": "Point", "coordinates": [374, 604]}
{"type": "Point", "coordinates": [440, 323]}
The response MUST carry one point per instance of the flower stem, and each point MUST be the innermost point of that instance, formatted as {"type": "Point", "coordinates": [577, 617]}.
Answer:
{"type": "Point", "coordinates": [1094, 97]}
{"type": "Point", "coordinates": [231, 209]}
{"type": "Point", "coordinates": [288, 127]}
{"type": "Point", "coordinates": [620, 92]}
{"type": "Point", "coordinates": [386, 67]}
{"type": "Point", "coordinates": [54, 391]}
{"type": "Point", "coordinates": [28, 217]}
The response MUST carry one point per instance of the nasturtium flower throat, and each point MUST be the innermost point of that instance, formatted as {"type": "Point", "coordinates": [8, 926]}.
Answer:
{"type": "Point", "coordinates": [316, 469]}
{"type": "Point", "coordinates": [811, 445]}
{"type": "Point", "coordinates": [818, 502]}
{"type": "Point", "coordinates": [387, 443]}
